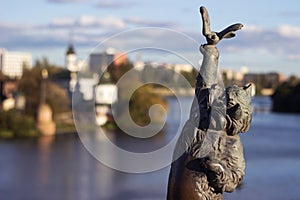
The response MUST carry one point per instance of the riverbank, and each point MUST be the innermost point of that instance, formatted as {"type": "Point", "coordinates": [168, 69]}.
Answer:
{"type": "Point", "coordinates": [180, 92]}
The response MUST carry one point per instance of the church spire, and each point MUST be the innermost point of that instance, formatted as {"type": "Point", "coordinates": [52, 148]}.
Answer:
{"type": "Point", "coordinates": [70, 49]}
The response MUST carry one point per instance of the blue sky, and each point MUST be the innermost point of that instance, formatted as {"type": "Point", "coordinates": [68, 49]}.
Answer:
{"type": "Point", "coordinates": [269, 41]}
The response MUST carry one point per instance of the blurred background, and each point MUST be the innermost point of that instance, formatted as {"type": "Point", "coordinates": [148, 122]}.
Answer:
{"type": "Point", "coordinates": [58, 54]}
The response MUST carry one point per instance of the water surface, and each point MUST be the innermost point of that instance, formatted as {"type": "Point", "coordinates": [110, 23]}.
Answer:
{"type": "Point", "coordinates": [61, 168]}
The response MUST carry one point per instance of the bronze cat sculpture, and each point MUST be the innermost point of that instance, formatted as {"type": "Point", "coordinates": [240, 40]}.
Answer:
{"type": "Point", "coordinates": [208, 157]}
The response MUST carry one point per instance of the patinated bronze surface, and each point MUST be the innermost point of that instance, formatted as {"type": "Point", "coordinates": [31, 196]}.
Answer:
{"type": "Point", "coordinates": [209, 151]}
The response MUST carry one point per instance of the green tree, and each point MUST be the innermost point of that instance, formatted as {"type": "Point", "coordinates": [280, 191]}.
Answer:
{"type": "Point", "coordinates": [149, 74]}
{"type": "Point", "coordinates": [286, 97]}
{"type": "Point", "coordinates": [30, 86]}
{"type": "Point", "coordinates": [117, 71]}
{"type": "Point", "coordinates": [139, 101]}
{"type": "Point", "coordinates": [190, 76]}
{"type": "Point", "coordinates": [14, 124]}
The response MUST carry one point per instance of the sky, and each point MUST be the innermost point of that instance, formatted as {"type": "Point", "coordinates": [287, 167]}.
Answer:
{"type": "Point", "coordinates": [268, 42]}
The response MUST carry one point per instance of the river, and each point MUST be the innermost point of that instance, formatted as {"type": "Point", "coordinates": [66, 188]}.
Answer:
{"type": "Point", "coordinates": [61, 168]}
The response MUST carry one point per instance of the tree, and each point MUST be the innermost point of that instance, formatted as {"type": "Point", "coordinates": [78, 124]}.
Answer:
{"type": "Point", "coordinates": [117, 71]}
{"type": "Point", "coordinates": [14, 124]}
{"type": "Point", "coordinates": [30, 86]}
{"type": "Point", "coordinates": [190, 76]}
{"type": "Point", "coordinates": [139, 101]}
{"type": "Point", "coordinates": [286, 97]}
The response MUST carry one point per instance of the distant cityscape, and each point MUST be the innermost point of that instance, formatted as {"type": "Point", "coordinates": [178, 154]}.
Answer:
{"type": "Point", "coordinates": [96, 79]}
{"type": "Point", "coordinates": [12, 65]}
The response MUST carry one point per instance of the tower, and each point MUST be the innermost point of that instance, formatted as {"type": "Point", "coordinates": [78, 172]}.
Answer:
{"type": "Point", "coordinates": [71, 59]}
{"type": "Point", "coordinates": [72, 66]}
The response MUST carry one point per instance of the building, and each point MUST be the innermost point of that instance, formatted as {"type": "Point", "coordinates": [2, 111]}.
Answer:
{"type": "Point", "coordinates": [119, 58]}
{"type": "Point", "coordinates": [98, 62]}
{"type": "Point", "coordinates": [74, 66]}
{"type": "Point", "coordinates": [139, 65]}
{"type": "Point", "coordinates": [183, 68]}
{"type": "Point", "coordinates": [71, 59]}
{"type": "Point", "coordinates": [265, 83]}
{"type": "Point", "coordinates": [231, 76]}
{"type": "Point", "coordinates": [13, 63]}
{"type": "Point", "coordinates": [72, 63]}
{"type": "Point", "coordinates": [106, 95]}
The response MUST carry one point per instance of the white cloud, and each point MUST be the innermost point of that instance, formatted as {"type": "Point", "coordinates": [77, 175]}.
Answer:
{"type": "Point", "coordinates": [112, 21]}
{"type": "Point", "coordinates": [86, 30]}
{"type": "Point", "coordinates": [15, 27]}
{"type": "Point", "coordinates": [106, 22]}
{"type": "Point", "coordinates": [113, 4]}
{"type": "Point", "coordinates": [250, 28]}
{"type": "Point", "coordinates": [67, 1]}
{"type": "Point", "coordinates": [295, 57]}
{"type": "Point", "coordinates": [86, 20]}
{"type": "Point", "coordinates": [289, 31]}
{"type": "Point", "coordinates": [282, 42]}
{"type": "Point", "coordinates": [146, 22]}
{"type": "Point", "coordinates": [63, 22]}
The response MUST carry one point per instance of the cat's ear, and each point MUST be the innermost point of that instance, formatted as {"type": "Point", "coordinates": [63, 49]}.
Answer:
{"type": "Point", "coordinates": [250, 89]}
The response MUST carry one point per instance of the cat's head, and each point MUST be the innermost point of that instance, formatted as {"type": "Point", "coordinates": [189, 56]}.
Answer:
{"type": "Point", "coordinates": [239, 109]}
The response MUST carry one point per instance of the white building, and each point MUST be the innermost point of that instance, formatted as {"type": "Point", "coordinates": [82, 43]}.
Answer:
{"type": "Point", "coordinates": [183, 67]}
{"type": "Point", "coordinates": [74, 66]}
{"type": "Point", "coordinates": [139, 65]}
{"type": "Point", "coordinates": [106, 95]}
{"type": "Point", "coordinates": [71, 61]}
{"type": "Point", "coordinates": [12, 63]}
